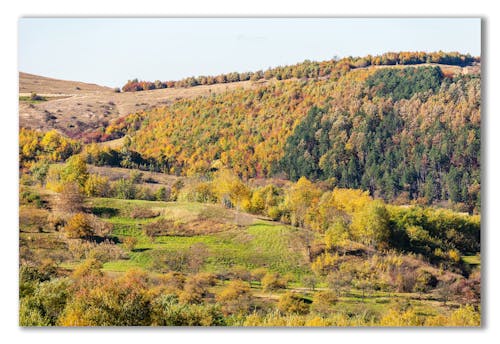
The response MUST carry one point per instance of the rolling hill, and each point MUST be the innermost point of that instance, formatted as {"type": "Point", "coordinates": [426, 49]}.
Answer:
{"type": "Point", "coordinates": [75, 108]}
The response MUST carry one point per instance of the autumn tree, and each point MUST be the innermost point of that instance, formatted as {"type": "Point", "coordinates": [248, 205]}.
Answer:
{"type": "Point", "coordinates": [371, 225]}
{"type": "Point", "coordinates": [78, 226]}
{"type": "Point", "coordinates": [75, 171]}
{"type": "Point", "coordinates": [69, 199]}
{"type": "Point", "coordinates": [230, 189]}
{"type": "Point", "coordinates": [301, 196]}
{"type": "Point", "coordinates": [272, 281]}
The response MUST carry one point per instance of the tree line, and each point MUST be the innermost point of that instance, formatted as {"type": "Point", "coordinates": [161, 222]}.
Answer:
{"type": "Point", "coordinates": [333, 68]}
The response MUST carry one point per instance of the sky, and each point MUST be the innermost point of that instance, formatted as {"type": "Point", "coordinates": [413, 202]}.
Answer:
{"type": "Point", "coordinates": [110, 51]}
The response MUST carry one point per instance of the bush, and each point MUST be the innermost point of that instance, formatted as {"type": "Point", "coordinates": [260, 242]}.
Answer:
{"type": "Point", "coordinates": [195, 288]}
{"type": "Point", "coordinates": [143, 213]}
{"type": "Point", "coordinates": [78, 226]}
{"type": "Point", "coordinates": [129, 242]}
{"type": "Point", "coordinates": [167, 311]}
{"type": "Point", "coordinates": [258, 273]}
{"type": "Point", "coordinates": [272, 281]}
{"type": "Point", "coordinates": [69, 199]}
{"type": "Point", "coordinates": [85, 226]}
{"type": "Point", "coordinates": [46, 304]}
{"type": "Point", "coordinates": [106, 251]}
{"type": "Point", "coordinates": [235, 298]}
{"type": "Point", "coordinates": [323, 302]}
{"type": "Point", "coordinates": [290, 303]}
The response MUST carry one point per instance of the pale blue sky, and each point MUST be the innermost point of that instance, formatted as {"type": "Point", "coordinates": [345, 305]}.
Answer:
{"type": "Point", "coordinates": [109, 51]}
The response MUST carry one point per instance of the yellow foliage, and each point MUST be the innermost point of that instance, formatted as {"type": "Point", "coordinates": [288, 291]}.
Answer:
{"type": "Point", "coordinates": [78, 226]}
{"type": "Point", "coordinates": [96, 186]}
{"type": "Point", "coordinates": [454, 255]}
{"type": "Point", "coordinates": [465, 316]}
{"type": "Point", "coordinates": [349, 200]}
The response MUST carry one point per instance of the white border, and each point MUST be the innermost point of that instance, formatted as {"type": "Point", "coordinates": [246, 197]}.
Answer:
{"type": "Point", "coordinates": [381, 8]}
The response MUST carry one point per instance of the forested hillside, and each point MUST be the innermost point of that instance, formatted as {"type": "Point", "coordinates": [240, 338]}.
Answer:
{"type": "Point", "coordinates": [401, 133]}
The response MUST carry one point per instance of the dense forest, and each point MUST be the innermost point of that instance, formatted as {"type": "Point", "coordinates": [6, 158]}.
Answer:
{"type": "Point", "coordinates": [335, 196]}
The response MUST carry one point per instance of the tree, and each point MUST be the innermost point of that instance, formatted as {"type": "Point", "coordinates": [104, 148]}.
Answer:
{"type": "Point", "coordinates": [129, 242]}
{"type": "Point", "coordinates": [336, 235]}
{"type": "Point", "coordinates": [78, 226]}
{"type": "Point", "coordinates": [371, 225]}
{"type": "Point", "coordinates": [96, 186]}
{"type": "Point", "coordinates": [230, 189]}
{"type": "Point", "coordinates": [310, 281]}
{"type": "Point", "coordinates": [75, 171]}
{"type": "Point", "coordinates": [45, 305]}
{"type": "Point", "coordinates": [258, 273]}
{"type": "Point", "coordinates": [301, 196]}
{"type": "Point", "coordinates": [69, 199]}
{"type": "Point", "coordinates": [444, 291]}
{"type": "Point", "coordinates": [39, 170]}
{"type": "Point", "coordinates": [323, 302]}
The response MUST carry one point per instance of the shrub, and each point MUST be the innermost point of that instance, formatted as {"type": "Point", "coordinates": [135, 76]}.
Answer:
{"type": "Point", "coordinates": [272, 281]}
{"type": "Point", "coordinates": [323, 301]}
{"type": "Point", "coordinates": [46, 304]}
{"type": "Point", "coordinates": [129, 242]}
{"type": "Point", "coordinates": [167, 311]}
{"type": "Point", "coordinates": [69, 199]}
{"type": "Point", "coordinates": [78, 226]}
{"type": "Point", "coordinates": [143, 213]}
{"type": "Point", "coordinates": [195, 288]}
{"type": "Point", "coordinates": [235, 298]}
{"type": "Point", "coordinates": [106, 251]}
{"type": "Point", "coordinates": [258, 273]}
{"type": "Point", "coordinates": [96, 186]}
{"type": "Point", "coordinates": [290, 303]}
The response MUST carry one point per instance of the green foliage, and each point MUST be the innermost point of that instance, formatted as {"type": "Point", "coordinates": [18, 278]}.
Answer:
{"type": "Point", "coordinates": [404, 83]}
{"type": "Point", "coordinates": [167, 311]}
{"type": "Point", "coordinates": [425, 230]}
{"type": "Point", "coordinates": [425, 147]}
{"type": "Point", "coordinates": [45, 304]}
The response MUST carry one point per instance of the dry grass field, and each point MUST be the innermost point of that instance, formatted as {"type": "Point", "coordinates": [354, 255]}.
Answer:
{"type": "Point", "coordinates": [74, 108]}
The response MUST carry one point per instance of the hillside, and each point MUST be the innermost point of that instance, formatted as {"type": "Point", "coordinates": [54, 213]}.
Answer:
{"type": "Point", "coordinates": [76, 109]}
{"type": "Point", "coordinates": [49, 86]}
{"type": "Point", "coordinates": [407, 133]}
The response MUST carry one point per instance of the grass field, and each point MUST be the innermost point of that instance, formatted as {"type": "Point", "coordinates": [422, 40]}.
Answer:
{"type": "Point", "coordinates": [258, 243]}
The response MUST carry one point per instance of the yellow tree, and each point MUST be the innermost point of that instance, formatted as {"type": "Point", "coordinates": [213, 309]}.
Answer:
{"type": "Point", "coordinates": [230, 190]}
{"type": "Point", "coordinates": [75, 171]}
{"type": "Point", "coordinates": [301, 196]}
{"type": "Point", "coordinates": [370, 225]}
